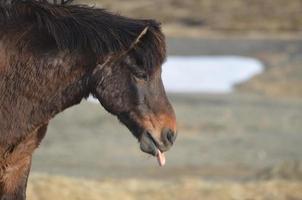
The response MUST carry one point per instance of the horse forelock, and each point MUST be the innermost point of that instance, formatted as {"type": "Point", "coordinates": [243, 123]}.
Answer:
{"type": "Point", "coordinates": [78, 27]}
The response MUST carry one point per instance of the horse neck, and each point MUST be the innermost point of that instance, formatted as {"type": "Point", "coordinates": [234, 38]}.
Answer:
{"type": "Point", "coordinates": [34, 88]}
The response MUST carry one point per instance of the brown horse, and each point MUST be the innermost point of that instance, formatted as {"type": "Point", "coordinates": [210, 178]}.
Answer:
{"type": "Point", "coordinates": [54, 55]}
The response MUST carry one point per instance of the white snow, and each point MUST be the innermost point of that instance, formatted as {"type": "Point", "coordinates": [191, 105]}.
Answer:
{"type": "Point", "coordinates": [215, 74]}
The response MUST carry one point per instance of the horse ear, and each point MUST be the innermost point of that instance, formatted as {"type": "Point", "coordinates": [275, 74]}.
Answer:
{"type": "Point", "coordinates": [139, 37]}
{"type": "Point", "coordinates": [134, 43]}
{"type": "Point", "coordinates": [111, 59]}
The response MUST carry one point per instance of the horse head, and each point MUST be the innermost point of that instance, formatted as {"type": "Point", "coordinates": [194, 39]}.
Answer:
{"type": "Point", "coordinates": [129, 85]}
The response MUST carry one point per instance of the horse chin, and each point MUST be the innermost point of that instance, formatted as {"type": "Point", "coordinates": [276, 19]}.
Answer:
{"type": "Point", "coordinates": [147, 144]}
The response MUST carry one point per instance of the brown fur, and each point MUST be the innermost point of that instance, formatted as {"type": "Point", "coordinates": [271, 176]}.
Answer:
{"type": "Point", "coordinates": [3, 58]}
{"type": "Point", "coordinates": [15, 164]}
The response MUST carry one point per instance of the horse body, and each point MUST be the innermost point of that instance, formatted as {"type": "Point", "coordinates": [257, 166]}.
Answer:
{"type": "Point", "coordinates": [53, 56]}
{"type": "Point", "coordinates": [30, 96]}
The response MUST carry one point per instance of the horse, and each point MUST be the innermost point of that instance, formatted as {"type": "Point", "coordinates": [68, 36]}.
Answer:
{"type": "Point", "coordinates": [54, 55]}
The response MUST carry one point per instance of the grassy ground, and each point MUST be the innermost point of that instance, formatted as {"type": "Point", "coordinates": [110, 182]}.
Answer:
{"type": "Point", "coordinates": [279, 80]}
{"type": "Point", "coordinates": [230, 147]}
{"type": "Point", "coordinates": [185, 189]}
{"type": "Point", "coordinates": [232, 137]}
{"type": "Point", "coordinates": [200, 16]}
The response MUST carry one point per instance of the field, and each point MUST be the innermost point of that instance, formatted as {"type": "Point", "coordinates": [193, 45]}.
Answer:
{"type": "Point", "coordinates": [240, 146]}
{"type": "Point", "coordinates": [244, 145]}
{"type": "Point", "coordinates": [229, 147]}
{"type": "Point", "coordinates": [187, 189]}
{"type": "Point", "coordinates": [197, 18]}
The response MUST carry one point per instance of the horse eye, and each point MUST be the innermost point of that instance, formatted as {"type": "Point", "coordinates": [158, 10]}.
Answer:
{"type": "Point", "coordinates": [141, 75]}
{"type": "Point", "coordinates": [138, 72]}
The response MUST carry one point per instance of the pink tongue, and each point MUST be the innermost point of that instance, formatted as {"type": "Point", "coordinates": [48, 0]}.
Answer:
{"type": "Point", "coordinates": [161, 158]}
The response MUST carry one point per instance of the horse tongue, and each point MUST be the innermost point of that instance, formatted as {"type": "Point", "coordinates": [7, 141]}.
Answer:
{"type": "Point", "coordinates": [161, 158]}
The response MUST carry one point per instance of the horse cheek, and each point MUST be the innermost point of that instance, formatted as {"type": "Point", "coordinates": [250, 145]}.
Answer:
{"type": "Point", "coordinates": [112, 97]}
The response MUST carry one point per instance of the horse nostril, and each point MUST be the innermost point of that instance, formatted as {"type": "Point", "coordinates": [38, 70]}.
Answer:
{"type": "Point", "coordinates": [169, 136]}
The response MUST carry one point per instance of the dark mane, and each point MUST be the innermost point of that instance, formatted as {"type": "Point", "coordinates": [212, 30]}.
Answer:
{"type": "Point", "coordinates": [62, 2]}
{"type": "Point", "coordinates": [77, 27]}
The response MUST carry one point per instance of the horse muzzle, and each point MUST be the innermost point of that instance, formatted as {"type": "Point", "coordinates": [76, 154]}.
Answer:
{"type": "Point", "coordinates": [150, 145]}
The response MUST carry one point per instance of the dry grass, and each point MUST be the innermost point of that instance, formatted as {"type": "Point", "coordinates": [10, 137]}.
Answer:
{"type": "Point", "coordinates": [277, 81]}
{"type": "Point", "coordinates": [228, 16]}
{"type": "Point", "coordinates": [43, 187]}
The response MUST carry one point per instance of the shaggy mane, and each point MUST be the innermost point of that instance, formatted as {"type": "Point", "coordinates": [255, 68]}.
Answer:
{"type": "Point", "coordinates": [78, 27]}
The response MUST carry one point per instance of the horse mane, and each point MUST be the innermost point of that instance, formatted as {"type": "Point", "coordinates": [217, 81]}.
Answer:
{"type": "Point", "coordinates": [62, 2]}
{"type": "Point", "coordinates": [79, 27]}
